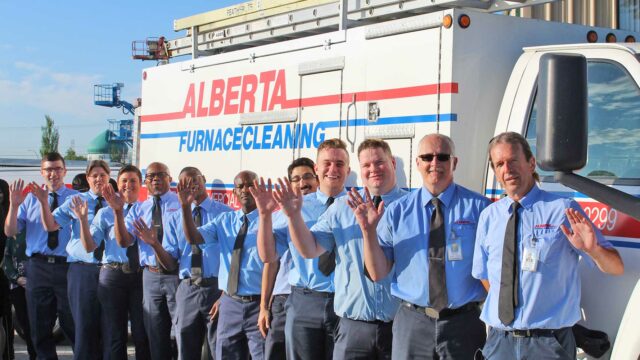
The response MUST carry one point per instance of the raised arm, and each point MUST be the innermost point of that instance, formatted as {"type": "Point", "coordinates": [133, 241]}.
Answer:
{"type": "Point", "coordinates": [583, 237]}
{"type": "Point", "coordinates": [266, 204]}
{"type": "Point", "coordinates": [123, 237]}
{"type": "Point", "coordinates": [186, 197]}
{"type": "Point", "coordinates": [290, 200]}
{"type": "Point", "coordinates": [81, 210]}
{"type": "Point", "coordinates": [48, 222]}
{"type": "Point", "coordinates": [368, 217]}
{"type": "Point", "coordinates": [148, 235]}
{"type": "Point", "coordinates": [17, 198]}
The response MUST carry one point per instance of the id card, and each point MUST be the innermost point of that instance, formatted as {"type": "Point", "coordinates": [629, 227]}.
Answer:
{"type": "Point", "coordinates": [454, 248]}
{"type": "Point", "coordinates": [530, 257]}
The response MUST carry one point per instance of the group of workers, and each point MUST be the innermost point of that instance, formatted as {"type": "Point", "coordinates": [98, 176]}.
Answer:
{"type": "Point", "coordinates": [306, 269]}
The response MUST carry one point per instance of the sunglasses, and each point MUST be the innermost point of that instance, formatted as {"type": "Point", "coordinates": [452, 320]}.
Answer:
{"type": "Point", "coordinates": [440, 157]}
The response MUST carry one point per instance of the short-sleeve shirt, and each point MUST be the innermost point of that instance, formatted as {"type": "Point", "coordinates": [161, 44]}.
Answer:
{"type": "Point", "coordinates": [357, 296]}
{"type": "Point", "coordinates": [176, 243]}
{"type": "Point", "coordinates": [223, 231]}
{"type": "Point", "coordinates": [65, 216]}
{"type": "Point", "coordinates": [30, 220]}
{"type": "Point", "coordinates": [102, 229]}
{"type": "Point", "coordinates": [169, 204]}
{"type": "Point", "coordinates": [404, 237]}
{"type": "Point", "coordinates": [304, 272]}
{"type": "Point", "coordinates": [548, 298]}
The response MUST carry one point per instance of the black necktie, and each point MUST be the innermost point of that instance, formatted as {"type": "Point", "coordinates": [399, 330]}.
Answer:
{"type": "Point", "coordinates": [156, 217]}
{"type": "Point", "coordinates": [133, 258]}
{"type": "Point", "coordinates": [376, 200]}
{"type": "Point", "coordinates": [437, 278]}
{"type": "Point", "coordinates": [52, 237]}
{"type": "Point", "coordinates": [327, 261]}
{"type": "Point", "coordinates": [99, 251]}
{"type": "Point", "coordinates": [234, 271]}
{"type": "Point", "coordinates": [508, 298]}
{"type": "Point", "coordinates": [196, 252]}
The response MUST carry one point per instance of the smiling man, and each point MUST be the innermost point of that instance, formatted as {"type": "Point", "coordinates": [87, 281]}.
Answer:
{"type": "Point", "coordinates": [160, 276]}
{"type": "Point", "coordinates": [429, 237]}
{"type": "Point", "coordinates": [310, 321]}
{"type": "Point", "coordinates": [47, 267]}
{"type": "Point", "coordinates": [527, 251]}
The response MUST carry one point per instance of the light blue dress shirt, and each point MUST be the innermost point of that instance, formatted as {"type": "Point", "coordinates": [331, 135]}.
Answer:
{"type": "Point", "coordinates": [169, 204]}
{"type": "Point", "coordinates": [30, 219]}
{"type": "Point", "coordinates": [357, 296]}
{"type": "Point", "coordinates": [304, 272]}
{"type": "Point", "coordinates": [64, 216]}
{"type": "Point", "coordinates": [281, 286]}
{"type": "Point", "coordinates": [404, 236]}
{"type": "Point", "coordinates": [102, 229]}
{"type": "Point", "coordinates": [176, 243]}
{"type": "Point", "coordinates": [548, 298]}
{"type": "Point", "coordinates": [223, 231]}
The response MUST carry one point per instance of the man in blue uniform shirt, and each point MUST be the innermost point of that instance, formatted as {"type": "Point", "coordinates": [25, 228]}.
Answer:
{"type": "Point", "coordinates": [311, 320]}
{"type": "Point", "coordinates": [275, 276]}
{"type": "Point", "coordinates": [198, 289]}
{"type": "Point", "coordinates": [240, 273]}
{"type": "Point", "coordinates": [84, 266]}
{"type": "Point", "coordinates": [426, 241]}
{"type": "Point", "coordinates": [365, 308]}
{"type": "Point", "coordinates": [159, 277]}
{"type": "Point", "coordinates": [527, 258]}
{"type": "Point", "coordinates": [47, 267]}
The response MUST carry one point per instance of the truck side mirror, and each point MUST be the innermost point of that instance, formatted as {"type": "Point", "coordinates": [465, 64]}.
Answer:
{"type": "Point", "coordinates": [562, 112]}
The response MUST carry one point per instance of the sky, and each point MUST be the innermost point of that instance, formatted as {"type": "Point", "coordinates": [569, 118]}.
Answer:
{"type": "Point", "coordinates": [53, 52]}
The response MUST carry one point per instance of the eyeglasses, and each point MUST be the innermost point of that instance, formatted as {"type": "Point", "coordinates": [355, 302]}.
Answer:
{"type": "Point", "coordinates": [440, 157]}
{"type": "Point", "coordinates": [53, 170]}
{"type": "Point", "coordinates": [160, 175]}
{"type": "Point", "coordinates": [305, 176]}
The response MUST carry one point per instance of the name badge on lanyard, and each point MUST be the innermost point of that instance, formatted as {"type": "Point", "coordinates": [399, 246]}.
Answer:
{"type": "Point", "coordinates": [531, 256]}
{"type": "Point", "coordinates": [454, 247]}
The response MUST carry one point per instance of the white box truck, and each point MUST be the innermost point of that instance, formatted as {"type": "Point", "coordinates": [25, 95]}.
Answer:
{"type": "Point", "coordinates": [268, 81]}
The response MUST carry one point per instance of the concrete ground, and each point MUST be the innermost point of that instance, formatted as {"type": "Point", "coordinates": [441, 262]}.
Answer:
{"type": "Point", "coordinates": [63, 350]}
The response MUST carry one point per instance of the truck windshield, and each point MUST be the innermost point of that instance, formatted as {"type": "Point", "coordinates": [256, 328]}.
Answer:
{"type": "Point", "coordinates": [614, 126]}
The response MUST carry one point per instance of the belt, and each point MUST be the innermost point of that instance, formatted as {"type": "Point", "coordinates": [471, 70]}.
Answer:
{"type": "Point", "coordinates": [204, 282]}
{"type": "Point", "coordinates": [530, 332]}
{"type": "Point", "coordinates": [124, 267]}
{"type": "Point", "coordinates": [372, 322]}
{"type": "Point", "coordinates": [160, 270]}
{"type": "Point", "coordinates": [51, 259]}
{"type": "Point", "coordinates": [444, 313]}
{"type": "Point", "coordinates": [245, 298]}
{"type": "Point", "coordinates": [281, 296]}
{"type": "Point", "coordinates": [309, 292]}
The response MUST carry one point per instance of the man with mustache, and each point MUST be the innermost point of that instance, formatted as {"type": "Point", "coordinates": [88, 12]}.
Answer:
{"type": "Point", "coordinates": [426, 240]}
{"type": "Point", "coordinates": [240, 273]}
{"type": "Point", "coordinates": [527, 250]}
{"type": "Point", "coordinates": [160, 276]}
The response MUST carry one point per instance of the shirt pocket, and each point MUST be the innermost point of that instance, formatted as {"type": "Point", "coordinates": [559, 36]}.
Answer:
{"type": "Point", "coordinates": [547, 242]}
{"type": "Point", "coordinates": [465, 234]}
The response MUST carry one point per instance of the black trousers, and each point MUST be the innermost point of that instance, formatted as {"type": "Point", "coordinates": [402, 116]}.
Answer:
{"type": "Point", "coordinates": [19, 302]}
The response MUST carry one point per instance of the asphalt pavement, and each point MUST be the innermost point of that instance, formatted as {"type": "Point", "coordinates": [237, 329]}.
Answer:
{"type": "Point", "coordinates": [63, 350]}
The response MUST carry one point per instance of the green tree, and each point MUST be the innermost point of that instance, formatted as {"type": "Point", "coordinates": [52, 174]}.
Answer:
{"type": "Point", "coordinates": [50, 137]}
{"type": "Point", "coordinates": [72, 155]}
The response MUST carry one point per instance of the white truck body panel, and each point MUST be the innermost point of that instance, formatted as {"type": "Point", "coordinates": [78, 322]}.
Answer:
{"type": "Point", "coordinates": [242, 110]}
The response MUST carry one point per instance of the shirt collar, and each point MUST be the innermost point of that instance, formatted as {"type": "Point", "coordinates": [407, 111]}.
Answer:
{"type": "Point", "coordinates": [390, 195]}
{"type": "Point", "coordinates": [92, 194]}
{"type": "Point", "coordinates": [205, 204]}
{"type": "Point", "coordinates": [251, 216]}
{"type": "Point", "coordinates": [528, 200]}
{"type": "Point", "coordinates": [163, 197]}
{"type": "Point", "coordinates": [322, 197]}
{"type": "Point", "coordinates": [446, 197]}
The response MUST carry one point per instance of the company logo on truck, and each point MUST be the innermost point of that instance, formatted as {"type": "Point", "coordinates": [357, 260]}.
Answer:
{"type": "Point", "coordinates": [236, 95]}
